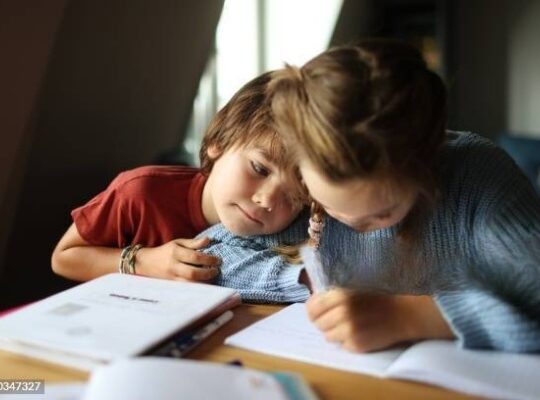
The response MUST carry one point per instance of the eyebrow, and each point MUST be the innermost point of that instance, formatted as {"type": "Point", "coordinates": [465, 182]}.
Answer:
{"type": "Point", "coordinates": [267, 155]}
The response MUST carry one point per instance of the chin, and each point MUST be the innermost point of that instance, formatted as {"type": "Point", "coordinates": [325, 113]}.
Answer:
{"type": "Point", "coordinates": [239, 225]}
{"type": "Point", "coordinates": [239, 229]}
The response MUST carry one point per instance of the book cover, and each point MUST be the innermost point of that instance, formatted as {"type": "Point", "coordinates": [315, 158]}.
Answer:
{"type": "Point", "coordinates": [110, 317]}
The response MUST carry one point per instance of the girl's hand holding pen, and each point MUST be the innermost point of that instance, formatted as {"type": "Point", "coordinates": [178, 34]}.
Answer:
{"type": "Point", "coordinates": [365, 322]}
{"type": "Point", "coordinates": [178, 259]}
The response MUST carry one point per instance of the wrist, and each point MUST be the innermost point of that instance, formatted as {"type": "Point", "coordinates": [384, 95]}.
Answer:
{"type": "Point", "coordinates": [141, 262]}
{"type": "Point", "coordinates": [423, 320]}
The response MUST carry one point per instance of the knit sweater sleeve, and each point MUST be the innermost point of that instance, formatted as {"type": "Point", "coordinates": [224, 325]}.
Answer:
{"type": "Point", "coordinates": [252, 266]}
{"type": "Point", "coordinates": [261, 276]}
{"type": "Point", "coordinates": [500, 304]}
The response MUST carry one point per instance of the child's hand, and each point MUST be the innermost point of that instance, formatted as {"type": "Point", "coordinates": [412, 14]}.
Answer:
{"type": "Point", "coordinates": [179, 260]}
{"type": "Point", "coordinates": [363, 322]}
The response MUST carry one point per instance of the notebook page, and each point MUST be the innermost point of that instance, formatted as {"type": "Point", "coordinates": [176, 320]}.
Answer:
{"type": "Point", "coordinates": [289, 334]}
{"type": "Point", "coordinates": [491, 374]}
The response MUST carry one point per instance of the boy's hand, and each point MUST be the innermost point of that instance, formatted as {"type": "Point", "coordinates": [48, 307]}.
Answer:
{"type": "Point", "coordinates": [363, 322]}
{"type": "Point", "coordinates": [179, 260]}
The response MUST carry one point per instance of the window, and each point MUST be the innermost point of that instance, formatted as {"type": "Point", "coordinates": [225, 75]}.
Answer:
{"type": "Point", "coordinates": [253, 37]}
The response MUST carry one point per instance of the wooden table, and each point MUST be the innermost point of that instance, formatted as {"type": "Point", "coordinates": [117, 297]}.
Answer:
{"type": "Point", "coordinates": [327, 383]}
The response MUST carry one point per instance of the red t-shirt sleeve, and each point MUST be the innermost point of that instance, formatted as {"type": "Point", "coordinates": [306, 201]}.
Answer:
{"type": "Point", "coordinates": [107, 219]}
{"type": "Point", "coordinates": [148, 205]}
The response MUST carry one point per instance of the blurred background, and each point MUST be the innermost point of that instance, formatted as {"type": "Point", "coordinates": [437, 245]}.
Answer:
{"type": "Point", "coordinates": [89, 88]}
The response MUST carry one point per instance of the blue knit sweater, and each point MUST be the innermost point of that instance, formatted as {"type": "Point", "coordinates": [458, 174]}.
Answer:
{"type": "Point", "coordinates": [478, 256]}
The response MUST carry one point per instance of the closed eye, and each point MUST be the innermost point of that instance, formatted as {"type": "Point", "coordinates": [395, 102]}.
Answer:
{"type": "Point", "coordinates": [259, 169]}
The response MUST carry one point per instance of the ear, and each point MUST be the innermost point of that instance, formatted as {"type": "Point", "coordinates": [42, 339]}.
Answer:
{"type": "Point", "coordinates": [213, 152]}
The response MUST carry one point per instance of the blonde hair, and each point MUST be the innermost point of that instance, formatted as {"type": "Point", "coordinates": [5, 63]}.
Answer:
{"type": "Point", "coordinates": [367, 110]}
{"type": "Point", "coordinates": [291, 253]}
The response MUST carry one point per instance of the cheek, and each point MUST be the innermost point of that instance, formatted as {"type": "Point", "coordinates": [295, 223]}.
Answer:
{"type": "Point", "coordinates": [284, 216]}
{"type": "Point", "coordinates": [234, 184]}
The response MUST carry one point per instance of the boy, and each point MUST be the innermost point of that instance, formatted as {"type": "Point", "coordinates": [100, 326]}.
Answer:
{"type": "Point", "coordinates": [245, 182]}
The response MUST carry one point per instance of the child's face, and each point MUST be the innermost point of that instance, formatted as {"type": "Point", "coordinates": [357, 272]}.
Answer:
{"type": "Point", "coordinates": [248, 192]}
{"type": "Point", "coordinates": [363, 204]}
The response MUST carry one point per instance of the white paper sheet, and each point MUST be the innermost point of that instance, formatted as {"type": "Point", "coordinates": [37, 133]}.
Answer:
{"type": "Point", "coordinates": [290, 334]}
{"type": "Point", "coordinates": [492, 374]}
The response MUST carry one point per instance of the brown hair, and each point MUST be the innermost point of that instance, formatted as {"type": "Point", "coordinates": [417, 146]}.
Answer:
{"type": "Point", "coordinates": [247, 119]}
{"type": "Point", "coordinates": [366, 110]}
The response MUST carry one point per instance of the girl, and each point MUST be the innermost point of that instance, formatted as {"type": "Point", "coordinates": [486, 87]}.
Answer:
{"type": "Point", "coordinates": [429, 233]}
{"type": "Point", "coordinates": [412, 209]}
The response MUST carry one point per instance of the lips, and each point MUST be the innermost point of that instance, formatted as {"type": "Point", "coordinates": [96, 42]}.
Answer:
{"type": "Point", "coordinates": [249, 216]}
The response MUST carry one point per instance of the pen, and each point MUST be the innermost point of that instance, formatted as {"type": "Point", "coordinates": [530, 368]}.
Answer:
{"type": "Point", "coordinates": [182, 344]}
{"type": "Point", "coordinates": [314, 269]}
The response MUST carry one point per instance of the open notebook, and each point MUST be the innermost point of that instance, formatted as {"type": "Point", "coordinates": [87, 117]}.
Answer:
{"type": "Point", "coordinates": [491, 374]}
{"type": "Point", "coordinates": [109, 318]}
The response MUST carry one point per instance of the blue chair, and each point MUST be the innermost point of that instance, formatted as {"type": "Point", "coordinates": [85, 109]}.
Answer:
{"type": "Point", "coordinates": [526, 153]}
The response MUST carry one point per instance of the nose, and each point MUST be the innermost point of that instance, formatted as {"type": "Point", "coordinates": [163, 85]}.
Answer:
{"type": "Point", "coordinates": [267, 196]}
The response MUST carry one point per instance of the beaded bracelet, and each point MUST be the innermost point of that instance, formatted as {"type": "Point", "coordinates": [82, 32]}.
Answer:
{"type": "Point", "coordinates": [122, 266]}
{"type": "Point", "coordinates": [316, 224]}
{"type": "Point", "coordinates": [127, 259]}
{"type": "Point", "coordinates": [131, 259]}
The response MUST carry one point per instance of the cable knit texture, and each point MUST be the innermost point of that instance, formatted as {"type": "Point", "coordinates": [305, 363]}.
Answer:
{"type": "Point", "coordinates": [250, 264]}
{"type": "Point", "coordinates": [479, 254]}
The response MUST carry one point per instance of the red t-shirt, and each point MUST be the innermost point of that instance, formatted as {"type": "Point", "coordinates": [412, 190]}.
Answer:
{"type": "Point", "coordinates": [148, 205]}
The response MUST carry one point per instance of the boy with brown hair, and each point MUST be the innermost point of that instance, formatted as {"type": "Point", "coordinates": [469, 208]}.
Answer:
{"type": "Point", "coordinates": [145, 221]}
